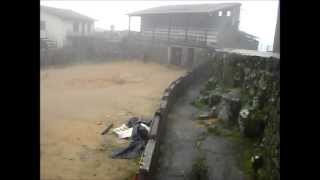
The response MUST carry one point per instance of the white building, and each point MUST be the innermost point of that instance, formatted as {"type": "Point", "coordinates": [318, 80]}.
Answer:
{"type": "Point", "coordinates": [56, 25]}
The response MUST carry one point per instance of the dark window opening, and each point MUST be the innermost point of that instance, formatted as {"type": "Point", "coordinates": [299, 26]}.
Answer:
{"type": "Point", "coordinates": [176, 55]}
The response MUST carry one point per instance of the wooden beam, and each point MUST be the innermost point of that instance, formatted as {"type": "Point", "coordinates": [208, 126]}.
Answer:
{"type": "Point", "coordinates": [129, 23]}
{"type": "Point", "coordinates": [187, 27]}
{"type": "Point", "coordinates": [107, 129]}
{"type": "Point", "coordinates": [153, 33]}
{"type": "Point", "coordinates": [205, 37]}
{"type": "Point", "coordinates": [169, 27]}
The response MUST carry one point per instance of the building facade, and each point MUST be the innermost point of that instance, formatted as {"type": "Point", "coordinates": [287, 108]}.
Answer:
{"type": "Point", "coordinates": [188, 29]}
{"type": "Point", "coordinates": [56, 25]}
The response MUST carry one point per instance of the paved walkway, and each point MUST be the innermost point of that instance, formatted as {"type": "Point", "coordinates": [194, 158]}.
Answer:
{"type": "Point", "coordinates": [178, 149]}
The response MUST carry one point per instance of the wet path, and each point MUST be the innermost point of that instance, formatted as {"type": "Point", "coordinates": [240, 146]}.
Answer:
{"type": "Point", "coordinates": [179, 147]}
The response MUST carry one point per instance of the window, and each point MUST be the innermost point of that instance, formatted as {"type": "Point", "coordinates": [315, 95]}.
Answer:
{"type": "Point", "coordinates": [228, 13]}
{"type": "Point", "coordinates": [76, 27]}
{"type": "Point", "coordinates": [42, 25]}
{"type": "Point", "coordinates": [220, 13]}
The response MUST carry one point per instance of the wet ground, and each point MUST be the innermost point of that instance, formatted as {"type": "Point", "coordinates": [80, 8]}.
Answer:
{"type": "Point", "coordinates": [79, 102]}
{"type": "Point", "coordinates": [184, 140]}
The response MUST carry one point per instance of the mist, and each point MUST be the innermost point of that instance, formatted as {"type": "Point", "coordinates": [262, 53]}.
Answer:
{"type": "Point", "coordinates": [256, 17]}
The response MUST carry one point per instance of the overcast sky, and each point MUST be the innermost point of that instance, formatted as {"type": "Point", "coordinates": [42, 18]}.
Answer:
{"type": "Point", "coordinates": [256, 17]}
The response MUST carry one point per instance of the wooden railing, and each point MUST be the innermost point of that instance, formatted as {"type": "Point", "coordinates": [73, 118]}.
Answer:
{"type": "Point", "coordinates": [196, 36]}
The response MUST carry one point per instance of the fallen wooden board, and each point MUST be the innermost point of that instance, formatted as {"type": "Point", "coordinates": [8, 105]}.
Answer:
{"type": "Point", "coordinates": [107, 129]}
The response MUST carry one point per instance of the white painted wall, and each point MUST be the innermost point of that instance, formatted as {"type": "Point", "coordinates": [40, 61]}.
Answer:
{"type": "Point", "coordinates": [57, 29]}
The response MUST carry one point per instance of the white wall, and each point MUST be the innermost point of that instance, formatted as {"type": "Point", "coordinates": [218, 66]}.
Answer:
{"type": "Point", "coordinates": [58, 29]}
{"type": "Point", "coordinates": [55, 28]}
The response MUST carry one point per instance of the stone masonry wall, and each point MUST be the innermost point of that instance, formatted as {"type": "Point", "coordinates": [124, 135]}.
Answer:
{"type": "Point", "coordinates": [255, 108]}
{"type": "Point", "coordinates": [257, 111]}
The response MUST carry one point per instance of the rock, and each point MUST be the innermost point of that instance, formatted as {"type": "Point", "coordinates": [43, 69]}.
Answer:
{"type": "Point", "coordinates": [229, 107]}
{"type": "Point", "coordinates": [215, 96]}
{"type": "Point", "coordinates": [99, 123]}
{"type": "Point", "coordinates": [211, 83]}
{"type": "Point", "coordinates": [251, 122]}
{"type": "Point", "coordinates": [213, 112]}
{"type": "Point", "coordinates": [224, 112]}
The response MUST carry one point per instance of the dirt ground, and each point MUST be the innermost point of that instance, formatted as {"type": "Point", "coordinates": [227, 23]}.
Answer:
{"type": "Point", "coordinates": [79, 102]}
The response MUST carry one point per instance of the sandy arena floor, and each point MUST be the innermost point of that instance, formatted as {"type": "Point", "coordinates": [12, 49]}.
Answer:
{"type": "Point", "coordinates": [79, 102]}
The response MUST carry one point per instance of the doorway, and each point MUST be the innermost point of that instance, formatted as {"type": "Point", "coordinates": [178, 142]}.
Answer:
{"type": "Point", "coordinates": [176, 54]}
{"type": "Point", "coordinates": [190, 57]}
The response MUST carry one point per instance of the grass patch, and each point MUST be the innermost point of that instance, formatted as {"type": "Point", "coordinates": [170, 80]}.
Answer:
{"type": "Point", "coordinates": [243, 152]}
{"type": "Point", "coordinates": [131, 174]}
{"type": "Point", "coordinates": [244, 161]}
{"type": "Point", "coordinates": [134, 170]}
{"type": "Point", "coordinates": [199, 140]}
{"type": "Point", "coordinates": [243, 146]}
{"type": "Point", "coordinates": [199, 104]}
{"type": "Point", "coordinates": [220, 129]}
{"type": "Point", "coordinates": [214, 131]}
{"type": "Point", "coordinates": [199, 168]}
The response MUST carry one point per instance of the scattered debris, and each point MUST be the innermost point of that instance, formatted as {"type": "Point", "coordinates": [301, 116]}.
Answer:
{"type": "Point", "coordinates": [107, 129]}
{"type": "Point", "coordinates": [138, 130]}
{"type": "Point", "coordinates": [123, 131]}
{"type": "Point", "coordinates": [204, 116]}
{"type": "Point", "coordinates": [243, 115]}
{"type": "Point", "coordinates": [257, 163]}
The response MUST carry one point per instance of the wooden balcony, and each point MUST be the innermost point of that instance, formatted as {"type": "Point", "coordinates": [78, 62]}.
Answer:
{"type": "Point", "coordinates": [78, 34]}
{"type": "Point", "coordinates": [179, 35]}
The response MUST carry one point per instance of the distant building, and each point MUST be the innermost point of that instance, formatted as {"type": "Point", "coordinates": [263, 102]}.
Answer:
{"type": "Point", "coordinates": [182, 32]}
{"type": "Point", "coordinates": [214, 25]}
{"type": "Point", "coordinates": [56, 25]}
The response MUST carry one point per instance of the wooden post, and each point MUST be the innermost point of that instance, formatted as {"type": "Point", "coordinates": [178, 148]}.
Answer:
{"type": "Point", "coordinates": [129, 23]}
{"type": "Point", "coordinates": [205, 37]}
{"type": "Point", "coordinates": [169, 27]}
{"type": "Point", "coordinates": [153, 29]}
{"type": "Point", "coordinates": [187, 27]}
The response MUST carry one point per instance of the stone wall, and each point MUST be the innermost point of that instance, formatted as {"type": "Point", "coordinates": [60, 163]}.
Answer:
{"type": "Point", "coordinates": [256, 77]}
{"type": "Point", "coordinates": [255, 110]}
